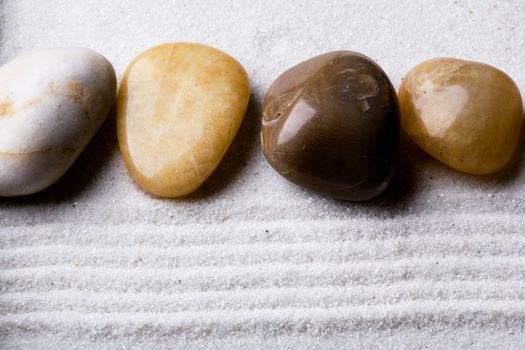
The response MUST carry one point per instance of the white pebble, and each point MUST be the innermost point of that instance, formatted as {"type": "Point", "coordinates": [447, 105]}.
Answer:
{"type": "Point", "coordinates": [51, 104]}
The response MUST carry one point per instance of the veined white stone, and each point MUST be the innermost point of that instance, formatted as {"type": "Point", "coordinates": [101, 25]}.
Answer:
{"type": "Point", "coordinates": [51, 104]}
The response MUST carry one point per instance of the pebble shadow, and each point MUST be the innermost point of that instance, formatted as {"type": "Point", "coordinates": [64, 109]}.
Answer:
{"type": "Point", "coordinates": [84, 171]}
{"type": "Point", "coordinates": [236, 158]}
{"type": "Point", "coordinates": [398, 197]}
{"type": "Point", "coordinates": [404, 187]}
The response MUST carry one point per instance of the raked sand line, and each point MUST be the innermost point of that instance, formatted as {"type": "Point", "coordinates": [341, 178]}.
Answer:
{"type": "Point", "coordinates": [233, 277]}
{"type": "Point", "coordinates": [244, 232]}
{"type": "Point", "coordinates": [487, 313]}
{"type": "Point", "coordinates": [259, 298]}
{"type": "Point", "coordinates": [444, 246]}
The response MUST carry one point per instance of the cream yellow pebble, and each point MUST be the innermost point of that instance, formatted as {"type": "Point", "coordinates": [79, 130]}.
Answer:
{"type": "Point", "coordinates": [179, 107]}
{"type": "Point", "coordinates": [466, 114]}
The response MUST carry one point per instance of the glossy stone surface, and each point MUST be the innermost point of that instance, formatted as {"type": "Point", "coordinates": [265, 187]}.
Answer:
{"type": "Point", "coordinates": [331, 124]}
{"type": "Point", "coordinates": [179, 107]}
{"type": "Point", "coordinates": [466, 114]}
{"type": "Point", "coordinates": [51, 104]}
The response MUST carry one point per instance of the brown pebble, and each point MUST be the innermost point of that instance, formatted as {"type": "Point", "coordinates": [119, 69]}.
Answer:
{"type": "Point", "coordinates": [331, 124]}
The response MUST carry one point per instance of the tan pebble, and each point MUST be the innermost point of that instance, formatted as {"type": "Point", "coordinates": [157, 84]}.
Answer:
{"type": "Point", "coordinates": [466, 114]}
{"type": "Point", "coordinates": [179, 107]}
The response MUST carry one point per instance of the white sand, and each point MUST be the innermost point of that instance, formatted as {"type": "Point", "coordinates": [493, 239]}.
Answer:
{"type": "Point", "coordinates": [250, 260]}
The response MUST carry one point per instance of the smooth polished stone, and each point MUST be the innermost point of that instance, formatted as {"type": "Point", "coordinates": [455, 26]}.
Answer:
{"type": "Point", "coordinates": [51, 104]}
{"type": "Point", "coordinates": [331, 124]}
{"type": "Point", "coordinates": [179, 107]}
{"type": "Point", "coordinates": [466, 114]}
